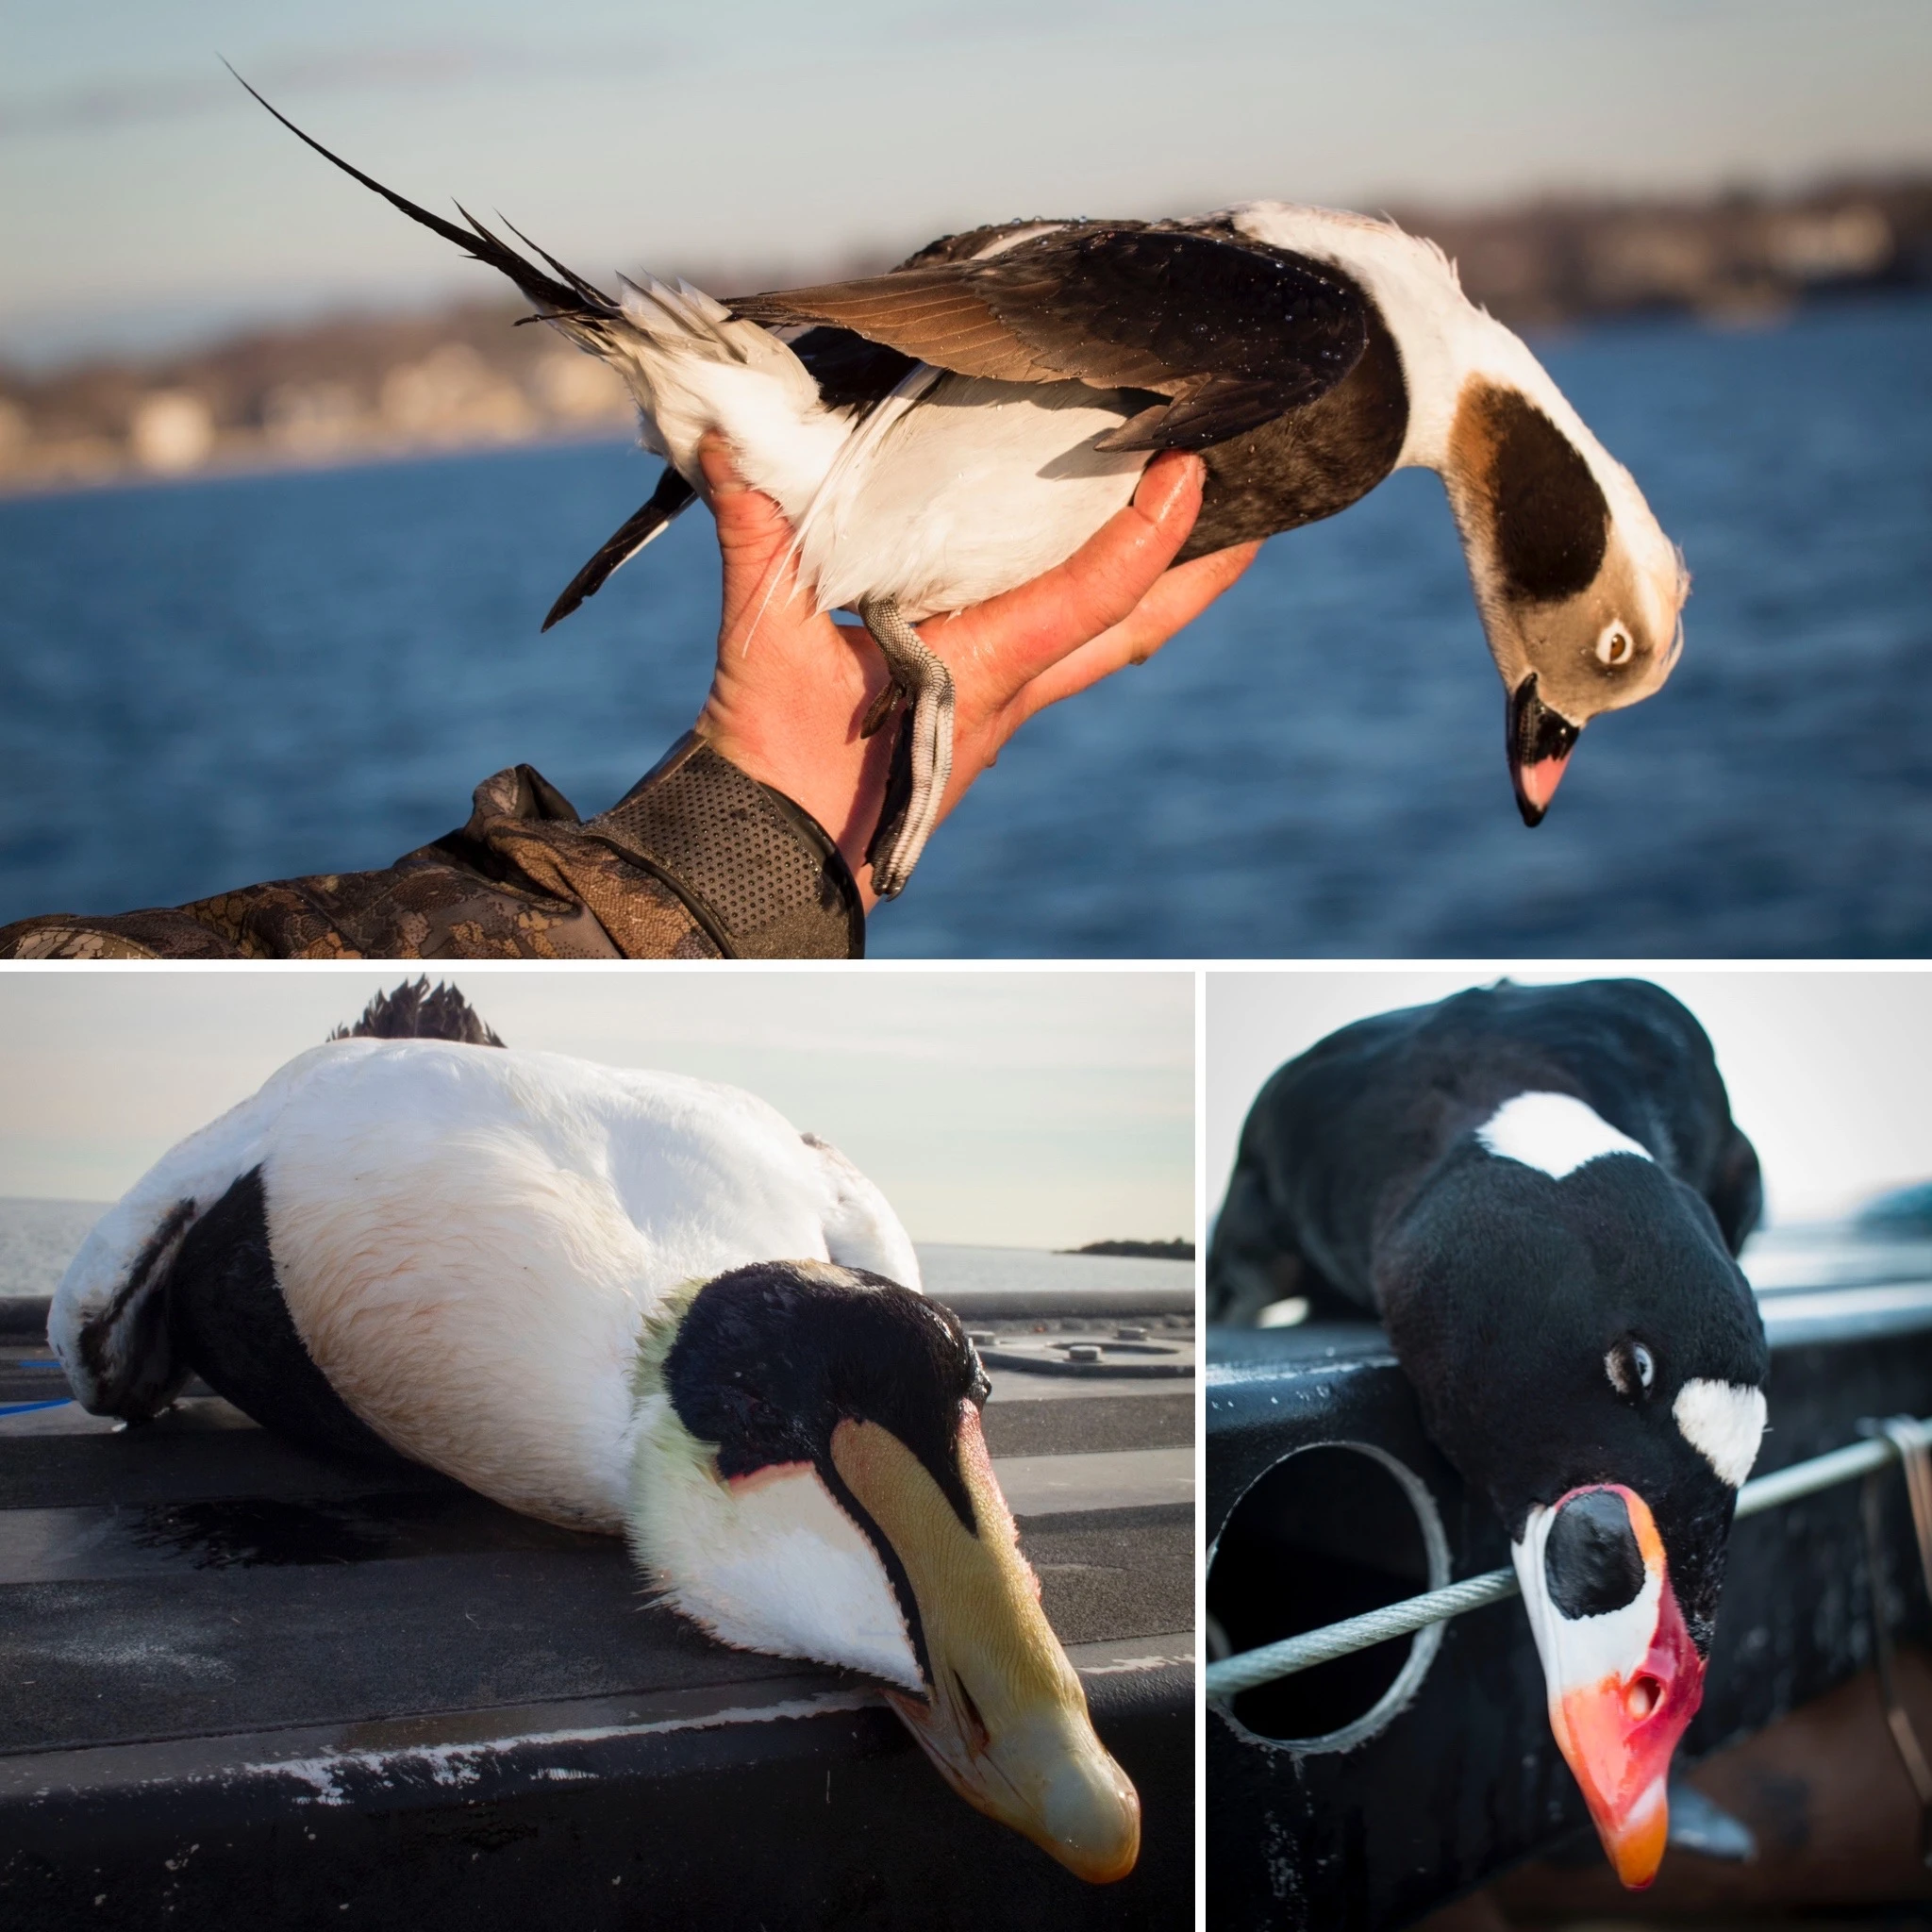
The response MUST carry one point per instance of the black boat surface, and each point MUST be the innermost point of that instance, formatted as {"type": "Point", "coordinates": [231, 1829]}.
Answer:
{"type": "Point", "coordinates": [1367, 1791]}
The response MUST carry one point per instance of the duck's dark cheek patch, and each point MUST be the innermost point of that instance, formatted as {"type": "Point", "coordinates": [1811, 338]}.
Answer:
{"type": "Point", "coordinates": [1552, 524]}
{"type": "Point", "coordinates": [1591, 1561]}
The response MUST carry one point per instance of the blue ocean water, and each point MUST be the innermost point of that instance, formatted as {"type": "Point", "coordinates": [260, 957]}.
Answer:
{"type": "Point", "coordinates": [38, 1238]}
{"type": "Point", "coordinates": [207, 684]}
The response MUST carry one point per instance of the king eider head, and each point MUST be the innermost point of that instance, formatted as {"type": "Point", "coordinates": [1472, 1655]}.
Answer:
{"type": "Point", "coordinates": [1588, 1355]}
{"type": "Point", "coordinates": [810, 1478]}
{"type": "Point", "coordinates": [1581, 593]}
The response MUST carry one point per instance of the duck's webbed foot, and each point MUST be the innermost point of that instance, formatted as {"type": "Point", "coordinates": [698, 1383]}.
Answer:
{"type": "Point", "coordinates": [921, 689]}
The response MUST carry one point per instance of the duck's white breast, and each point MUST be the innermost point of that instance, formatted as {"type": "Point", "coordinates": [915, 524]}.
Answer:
{"type": "Point", "coordinates": [469, 1240]}
{"type": "Point", "coordinates": [978, 487]}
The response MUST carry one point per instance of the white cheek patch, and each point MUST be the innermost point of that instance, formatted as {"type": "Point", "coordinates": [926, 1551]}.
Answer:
{"type": "Point", "coordinates": [1552, 1132]}
{"type": "Point", "coordinates": [770, 1563]}
{"type": "Point", "coordinates": [1577, 1652]}
{"type": "Point", "coordinates": [1724, 1423]}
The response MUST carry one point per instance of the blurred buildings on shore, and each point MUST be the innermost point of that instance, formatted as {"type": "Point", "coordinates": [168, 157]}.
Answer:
{"type": "Point", "coordinates": [355, 388]}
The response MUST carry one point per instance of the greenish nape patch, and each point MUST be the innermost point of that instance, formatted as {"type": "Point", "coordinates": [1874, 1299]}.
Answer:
{"type": "Point", "coordinates": [654, 1345]}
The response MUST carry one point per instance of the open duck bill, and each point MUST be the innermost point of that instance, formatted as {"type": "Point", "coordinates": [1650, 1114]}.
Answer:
{"type": "Point", "coordinates": [1540, 742]}
{"type": "Point", "coordinates": [1004, 1717]}
{"type": "Point", "coordinates": [1624, 1676]}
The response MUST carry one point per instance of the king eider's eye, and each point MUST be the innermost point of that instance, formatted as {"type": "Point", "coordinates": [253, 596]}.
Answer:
{"type": "Point", "coordinates": [1630, 1367]}
{"type": "Point", "coordinates": [1615, 647]}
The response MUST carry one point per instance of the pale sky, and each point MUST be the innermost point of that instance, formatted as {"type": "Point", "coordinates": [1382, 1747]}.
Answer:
{"type": "Point", "coordinates": [1015, 1109]}
{"type": "Point", "coordinates": [1829, 1072]}
{"type": "Point", "coordinates": [141, 191]}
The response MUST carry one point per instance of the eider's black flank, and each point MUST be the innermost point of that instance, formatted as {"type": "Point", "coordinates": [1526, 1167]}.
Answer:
{"type": "Point", "coordinates": [1312, 463]}
{"type": "Point", "coordinates": [149, 1374]}
{"type": "Point", "coordinates": [228, 1321]}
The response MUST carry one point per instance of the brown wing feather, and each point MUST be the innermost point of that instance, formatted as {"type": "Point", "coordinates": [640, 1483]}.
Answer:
{"type": "Point", "coordinates": [1236, 333]}
{"type": "Point", "coordinates": [926, 313]}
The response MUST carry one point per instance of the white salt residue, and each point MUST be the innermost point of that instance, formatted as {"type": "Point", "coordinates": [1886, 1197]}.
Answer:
{"type": "Point", "coordinates": [464, 1764]}
{"type": "Point", "coordinates": [78, 1650]}
{"type": "Point", "coordinates": [1135, 1663]}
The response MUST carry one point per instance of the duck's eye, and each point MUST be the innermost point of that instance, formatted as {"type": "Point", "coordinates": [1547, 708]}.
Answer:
{"type": "Point", "coordinates": [1631, 1368]}
{"type": "Point", "coordinates": [1615, 647]}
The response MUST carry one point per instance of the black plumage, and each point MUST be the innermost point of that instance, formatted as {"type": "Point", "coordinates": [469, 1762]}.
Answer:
{"type": "Point", "coordinates": [667, 502]}
{"type": "Point", "coordinates": [228, 1323]}
{"type": "Point", "coordinates": [417, 1011]}
{"type": "Point", "coordinates": [1227, 335]}
{"type": "Point", "coordinates": [769, 1359]}
{"type": "Point", "coordinates": [564, 296]}
{"type": "Point", "coordinates": [1507, 1294]}
{"type": "Point", "coordinates": [770, 1356]}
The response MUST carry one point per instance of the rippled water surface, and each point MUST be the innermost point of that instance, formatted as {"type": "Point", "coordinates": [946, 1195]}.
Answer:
{"type": "Point", "coordinates": [207, 684]}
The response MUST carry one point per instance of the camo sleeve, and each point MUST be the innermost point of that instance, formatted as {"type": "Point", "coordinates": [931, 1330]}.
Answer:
{"type": "Point", "coordinates": [697, 861]}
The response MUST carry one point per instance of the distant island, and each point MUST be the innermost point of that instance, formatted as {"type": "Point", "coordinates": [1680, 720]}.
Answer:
{"type": "Point", "coordinates": [1139, 1251]}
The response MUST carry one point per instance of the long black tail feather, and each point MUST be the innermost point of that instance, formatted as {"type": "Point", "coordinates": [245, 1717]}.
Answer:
{"type": "Point", "coordinates": [569, 297]}
{"type": "Point", "coordinates": [672, 497]}
{"type": "Point", "coordinates": [417, 1011]}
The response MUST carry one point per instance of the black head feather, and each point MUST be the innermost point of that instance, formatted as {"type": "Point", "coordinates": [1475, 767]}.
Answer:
{"type": "Point", "coordinates": [769, 1359]}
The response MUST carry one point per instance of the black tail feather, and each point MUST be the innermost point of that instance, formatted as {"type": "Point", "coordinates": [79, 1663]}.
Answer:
{"type": "Point", "coordinates": [416, 1010]}
{"type": "Point", "coordinates": [672, 495]}
{"type": "Point", "coordinates": [569, 296]}
{"type": "Point", "coordinates": [589, 291]}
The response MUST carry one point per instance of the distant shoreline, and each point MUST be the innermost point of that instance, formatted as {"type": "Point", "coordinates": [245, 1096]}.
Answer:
{"type": "Point", "coordinates": [354, 388]}
{"type": "Point", "coordinates": [1137, 1251]}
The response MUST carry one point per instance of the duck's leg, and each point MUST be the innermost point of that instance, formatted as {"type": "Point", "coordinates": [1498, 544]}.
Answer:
{"type": "Point", "coordinates": [922, 688]}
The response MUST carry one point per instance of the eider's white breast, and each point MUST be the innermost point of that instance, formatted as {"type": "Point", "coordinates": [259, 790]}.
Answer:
{"type": "Point", "coordinates": [469, 1240]}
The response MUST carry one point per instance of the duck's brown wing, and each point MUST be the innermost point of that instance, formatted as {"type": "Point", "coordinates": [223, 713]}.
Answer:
{"type": "Point", "coordinates": [1232, 334]}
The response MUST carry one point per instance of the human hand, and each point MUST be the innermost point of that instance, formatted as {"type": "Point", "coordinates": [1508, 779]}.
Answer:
{"type": "Point", "coordinates": [792, 688]}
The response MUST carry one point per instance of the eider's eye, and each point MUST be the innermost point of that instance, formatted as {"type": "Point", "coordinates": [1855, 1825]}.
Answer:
{"type": "Point", "coordinates": [1630, 1367]}
{"type": "Point", "coordinates": [1615, 647]}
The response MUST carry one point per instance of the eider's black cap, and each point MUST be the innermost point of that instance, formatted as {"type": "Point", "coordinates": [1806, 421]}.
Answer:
{"type": "Point", "coordinates": [769, 1359]}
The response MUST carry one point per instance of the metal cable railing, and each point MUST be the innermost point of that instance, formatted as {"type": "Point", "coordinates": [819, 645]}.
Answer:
{"type": "Point", "coordinates": [1231, 1675]}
